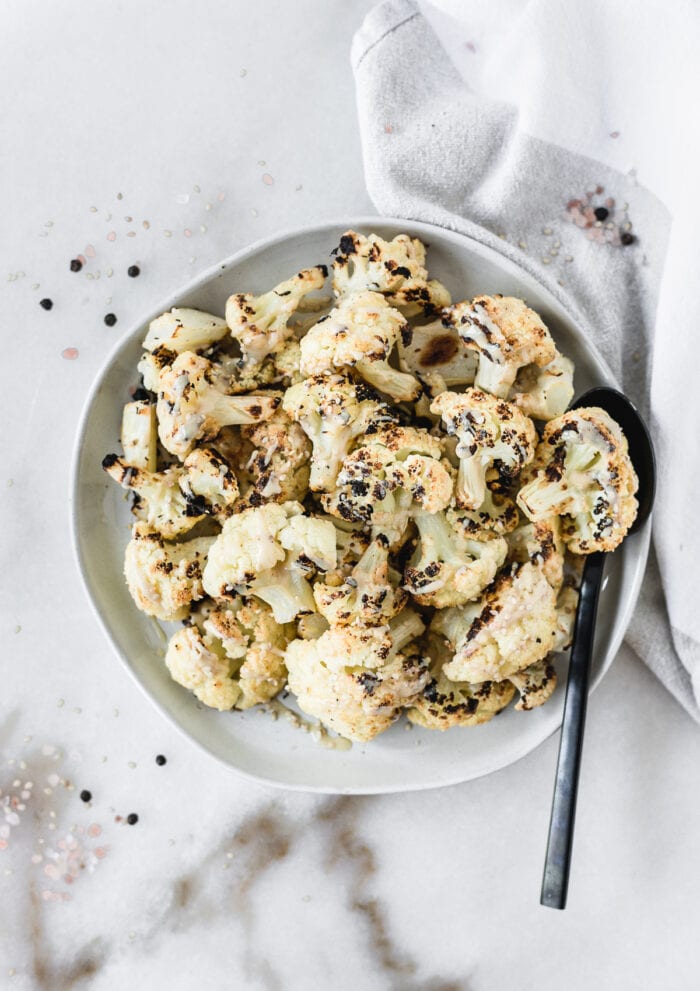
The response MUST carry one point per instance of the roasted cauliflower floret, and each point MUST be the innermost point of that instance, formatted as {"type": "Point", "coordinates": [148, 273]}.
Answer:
{"type": "Point", "coordinates": [542, 544]}
{"type": "Point", "coordinates": [158, 498]}
{"type": "Point", "coordinates": [437, 356]}
{"type": "Point", "coordinates": [270, 551]}
{"type": "Point", "coordinates": [260, 324]}
{"type": "Point", "coordinates": [584, 474]}
{"type": "Point", "coordinates": [443, 703]}
{"type": "Point", "coordinates": [495, 441]}
{"type": "Point", "coordinates": [333, 411]}
{"type": "Point", "coordinates": [184, 330]}
{"type": "Point", "coordinates": [191, 408]}
{"type": "Point", "coordinates": [394, 268]}
{"type": "Point", "coordinates": [544, 393]}
{"type": "Point", "coordinates": [356, 680]}
{"type": "Point", "coordinates": [447, 568]}
{"type": "Point", "coordinates": [164, 578]}
{"type": "Point", "coordinates": [139, 435]}
{"type": "Point", "coordinates": [280, 463]}
{"type": "Point", "coordinates": [396, 473]}
{"type": "Point", "coordinates": [360, 333]}
{"type": "Point", "coordinates": [535, 684]}
{"type": "Point", "coordinates": [151, 365]}
{"type": "Point", "coordinates": [506, 334]}
{"type": "Point", "coordinates": [497, 513]}
{"type": "Point", "coordinates": [232, 656]}
{"type": "Point", "coordinates": [369, 595]}
{"type": "Point", "coordinates": [512, 626]}
{"type": "Point", "coordinates": [208, 483]}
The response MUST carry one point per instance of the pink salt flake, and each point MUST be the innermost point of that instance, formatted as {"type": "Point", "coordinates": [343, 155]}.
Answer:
{"type": "Point", "coordinates": [614, 134]}
{"type": "Point", "coordinates": [112, 236]}
{"type": "Point", "coordinates": [187, 232]}
{"type": "Point", "coordinates": [221, 196]}
{"type": "Point", "coordinates": [3, 844]}
{"type": "Point", "coordinates": [268, 180]}
{"type": "Point", "coordinates": [81, 259]}
{"type": "Point", "coordinates": [90, 251]}
{"type": "Point", "coordinates": [52, 871]}
{"type": "Point", "coordinates": [100, 852]}
{"type": "Point", "coordinates": [94, 829]}
{"type": "Point", "coordinates": [470, 46]}
{"type": "Point", "coordinates": [388, 129]}
{"type": "Point", "coordinates": [70, 354]}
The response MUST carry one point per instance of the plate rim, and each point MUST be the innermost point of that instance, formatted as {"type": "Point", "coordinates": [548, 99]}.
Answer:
{"type": "Point", "coordinates": [643, 536]}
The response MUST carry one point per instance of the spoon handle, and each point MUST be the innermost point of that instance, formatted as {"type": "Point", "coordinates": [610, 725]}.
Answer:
{"type": "Point", "coordinates": [555, 881]}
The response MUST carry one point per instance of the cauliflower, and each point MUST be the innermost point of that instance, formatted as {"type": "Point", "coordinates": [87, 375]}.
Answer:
{"type": "Point", "coordinates": [191, 408]}
{"type": "Point", "coordinates": [208, 483]}
{"type": "Point", "coordinates": [356, 680]}
{"type": "Point", "coordinates": [158, 498]}
{"type": "Point", "coordinates": [139, 435]}
{"type": "Point", "coordinates": [542, 544]}
{"type": "Point", "coordinates": [333, 410]}
{"type": "Point", "coordinates": [497, 513]}
{"type": "Point", "coordinates": [395, 474]}
{"type": "Point", "coordinates": [268, 552]}
{"type": "Point", "coordinates": [151, 365]}
{"type": "Point", "coordinates": [233, 657]}
{"type": "Point", "coordinates": [544, 393]}
{"type": "Point", "coordinates": [368, 596]}
{"type": "Point", "coordinates": [360, 333]}
{"type": "Point", "coordinates": [164, 578]}
{"type": "Point", "coordinates": [394, 268]}
{"type": "Point", "coordinates": [437, 356]}
{"type": "Point", "coordinates": [444, 703]}
{"type": "Point", "coordinates": [279, 463]}
{"type": "Point", "coordinates": [536, 685]}
{"type": "Point", "coordinates": [260, 324]}
{"type": "Point", "coordinates": [184, 330]}
{"type": "Point", "coordinates": [506, 334]}
{"type": "Point", "coordinates": [567, 604]}
{"type": "Point", "coordinates": [512, 626]}
{"type": "Point", "coordinates": [494, 437]}
{"type": "Point", "coordinates": [447, 568]}
{"type": "Point", "coordinates": [584, 474]}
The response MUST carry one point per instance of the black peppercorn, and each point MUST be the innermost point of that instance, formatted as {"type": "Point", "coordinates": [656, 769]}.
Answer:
{"type": "Point", "coordinates": [160, 760]}
{"type": "Point", "coordinates": [85, 795]}
{"type": "Point", "coordinates": [46, 304]}
{"type": "Point", "coordinates": [133, 271]}
{"type": "Point", "coordinates": [76, 265]}
{"type": "Point", "coordinates": [627, 238]}
{"type": "Point", "coordinates": [110, 319]}
{"type": "Point", "coordinates": [132, 818]}
{"type": "Point", "coordinates": [601, 213]}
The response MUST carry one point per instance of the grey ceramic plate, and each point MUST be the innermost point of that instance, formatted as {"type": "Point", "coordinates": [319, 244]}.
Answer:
{"type": "Point", "coordinates": [251, 742]}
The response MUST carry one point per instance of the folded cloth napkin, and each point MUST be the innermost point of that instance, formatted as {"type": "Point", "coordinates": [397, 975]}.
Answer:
{"type": "Point", "coordinates": [515, 123]}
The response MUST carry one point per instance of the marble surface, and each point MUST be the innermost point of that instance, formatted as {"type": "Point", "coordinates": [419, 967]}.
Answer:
{"type": "Point", "coordinates": [223, 884]}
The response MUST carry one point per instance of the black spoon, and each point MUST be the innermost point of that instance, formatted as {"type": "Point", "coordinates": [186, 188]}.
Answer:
{"type": "Point", "coordinates": [555, 881]}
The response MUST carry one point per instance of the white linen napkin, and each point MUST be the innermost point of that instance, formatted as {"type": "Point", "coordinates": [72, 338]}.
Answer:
{"type": "Point", "coordinates": [528, 118]}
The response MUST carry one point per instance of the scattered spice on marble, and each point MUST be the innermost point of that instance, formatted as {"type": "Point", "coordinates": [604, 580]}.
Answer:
{"type": "Point", "coordinates": [614, 134]}
{"type": "Point", "coordinates": [470, 46]}
{"type": "Point", "coordinates": [297, 189]}
{"type": "Point", "coordinates": [75, 265]}
{"type": "Point", "coordinates": [168, 233]}
{"type": "Point", "coordinates": [187, 232]}
{"type": "Point", "coordinates": [110, 319]}
{"type": "Point", "coordinates": [268, 180]}
{"type": "Point", "coordinates": [146, 225]}
{"type": "Point", "coordinates": [196, 189]}
{"type": "Point", "coordinates": [46, 304]}
{"type": "Point", "coordinates": [203, 228]}
{"type": "Point", "coordinates": [85, 795]}
{"type": "Point", "coordinates": [603, 220]}
{"type": "Point", "coordinates": [131, 764]}
{"type": "Point", "coordinates": [112, 236]}
{"type": "Point", "coordinates": [221, 196]}
{"type": "Point", "coordinates": [160, 760]}
{"type": "Point", "coordinates": [133, 271]}
{"type": "Point", "coordinates": [93, 209]}
{"type": "Point", "coordinates": [120, 196]}
{"type": "Point", "coordinates": [90, 251]}
{"type": "Point", "coordinates": [207, 206]}
{"type": "Point", "coordinates": [243, 72]}
{"type": "Point", "coordinates": [132, 818]}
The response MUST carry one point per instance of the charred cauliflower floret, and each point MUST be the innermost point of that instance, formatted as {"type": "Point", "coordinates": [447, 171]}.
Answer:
{"type": "Point", "coordinates": [542, 544]}
{"type": "Point", "coordinates": [208, 483]}
{"type": "Point", "coordinates": [443, 703]}
{"type": "Point", "coordinates": [495, 441]}
{"type": "Point", "coordinates": [396, 473]}
{"type": "Point", "coordinates": [151, 365]}
{"type": "Point", "coordinates": [544, 393]}
{"type": "Point", "coordinates": [191, 408]}
{"type": "Point", "coordinates": [184, 330]}
{"type": "Point", "coordinates": [139, 435]}
{"type": "Point", "coordinates": [512, 626]}
{"type": "Point", "coordinates": [260, 324]}
{"type": "Point", "coordinates": [437, 356]}
{"type": "Point", "coordinates": [535, 684]}
{"type": "Point", "coordinates": [270, 552]}
{"type": "Point", "coordinates": [360, 333]}
{"type": "Point", "coordinates": [333, 410]}
{"type": "Point", "coordinates": [447, 568]}
{"type": "Point", "coordinates": [394, 268]}
{"type": "Point", "coordinates": [279, 465]}
{"type": "Point", "coordinates": [231, 656]}
{"type": "Point", "coordinates": [164, 579]}
{"type": "Point", "coordinates": [369, 595]}
{"type": "Point", "coordinates": [506, 334]}
{"type": "Point", "coordinates": [158, 498]}
{"type": "Point", "coordinates": [357, 680]}
{"type": "Point", "coordinates": [497, 513]}
{"type": "Point", "coordinates": [584, 474]}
